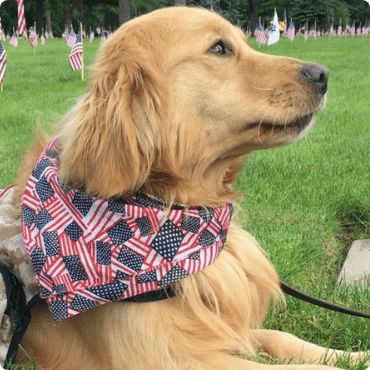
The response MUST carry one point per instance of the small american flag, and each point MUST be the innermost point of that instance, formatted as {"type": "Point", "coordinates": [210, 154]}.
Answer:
{"type": "Point", "coordinates": [21, 18]}
{"type": "Point", "coordinates": [3, 63]}
{"type": "Point", "coordinates": [76, 56]}
{"type": "Point", "coordinates": [32, 37]}
{"type": "Point", "coordinates": [291, 31]}
{"type": "Point", "coordinates": [71, 38]}
{"type": "Point", "coordinates": [260, 34]}
{"type": "Point", "coordinates": [14, 40]}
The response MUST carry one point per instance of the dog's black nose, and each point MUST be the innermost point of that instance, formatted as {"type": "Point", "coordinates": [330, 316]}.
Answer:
{"type": "Point", "coordinates": [316, 75]}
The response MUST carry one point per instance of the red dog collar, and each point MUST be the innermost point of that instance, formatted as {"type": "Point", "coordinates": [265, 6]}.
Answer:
{"type": "Point", "coordinates": [88, 251]}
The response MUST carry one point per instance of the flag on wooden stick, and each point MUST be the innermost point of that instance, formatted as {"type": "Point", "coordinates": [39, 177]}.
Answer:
{"type": "Point", "coordinates": [21, 18]}
{"type": "Point", "coordinates": [32, 37]}
{"type": "Point", "coordinates": [76, 55]}
{"type": "Point", "coordinates": [259, 33]}
{"type": "Point", "coordinates": [3, 65]}
{"type": "Point", "coordinates": [291, 31]}
{"type": "Point", "coordinates": [71, 38]}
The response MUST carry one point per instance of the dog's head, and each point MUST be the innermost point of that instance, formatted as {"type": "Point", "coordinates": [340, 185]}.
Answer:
{"type": "Point", "coordinates": [178, 93]}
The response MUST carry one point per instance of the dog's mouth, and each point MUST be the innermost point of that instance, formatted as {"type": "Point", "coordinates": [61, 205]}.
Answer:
{"type": "Point", "coordinates": [298, 125]}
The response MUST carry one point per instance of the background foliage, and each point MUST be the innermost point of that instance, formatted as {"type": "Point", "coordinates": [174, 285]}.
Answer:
{"type": "Point", "coordinates": [106, 13]}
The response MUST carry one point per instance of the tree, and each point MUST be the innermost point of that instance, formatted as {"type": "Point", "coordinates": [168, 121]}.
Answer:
{"type": "Point", "coordinates": [110, 13]}
{"type": "Point", "coordinates": [253, 13]}
{"type": "Point", "coordinates": [49, 28]}
{"type": "Point", "coordinates": [124, 11]}
{"type": "Point", "coordinates": [69, 7]}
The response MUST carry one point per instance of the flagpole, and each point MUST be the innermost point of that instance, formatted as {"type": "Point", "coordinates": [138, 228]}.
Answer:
{"type": "Point", "coordinates": [1, 87]}
{"type": "Point", "coordinates": [83, 64]}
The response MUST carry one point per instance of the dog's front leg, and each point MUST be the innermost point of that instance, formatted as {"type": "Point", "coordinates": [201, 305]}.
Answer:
{"type": "Point", "coordinates": [287, 347]}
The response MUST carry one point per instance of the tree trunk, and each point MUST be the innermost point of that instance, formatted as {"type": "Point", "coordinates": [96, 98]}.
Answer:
{"type": "Point", "coordinates": [180, 2]}
{"type": "Point", "coordinates": [253, 15]}
{"type": "Point", "coordinates": [49, 28]}
{"type": "Point", "coordinates": [124, 11]}
{"type": "Point", "coordinates": [68, 10]}
{"type": "Point", "coordinates": [39, 15]}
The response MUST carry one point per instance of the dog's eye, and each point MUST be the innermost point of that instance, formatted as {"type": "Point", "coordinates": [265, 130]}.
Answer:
{"type": "Point", "coordinates": [219, 48]}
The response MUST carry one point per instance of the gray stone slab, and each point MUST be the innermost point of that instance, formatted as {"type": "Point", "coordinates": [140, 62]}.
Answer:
{"type": "Point", "coordinates": [356, 268]}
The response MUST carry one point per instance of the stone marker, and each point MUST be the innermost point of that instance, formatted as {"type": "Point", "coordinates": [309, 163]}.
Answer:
{"type": "Point", "coordinates": [356, 267]}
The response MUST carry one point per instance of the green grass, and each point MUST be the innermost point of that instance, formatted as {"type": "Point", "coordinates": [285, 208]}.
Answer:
{"type": "Point", "coordinates": [304, 202]}
{"type": "Point", "coordinates": [39, 87]}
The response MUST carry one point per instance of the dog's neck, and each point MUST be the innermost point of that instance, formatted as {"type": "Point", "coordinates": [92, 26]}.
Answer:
{"type": "Point", "coordinates": [209, 186]}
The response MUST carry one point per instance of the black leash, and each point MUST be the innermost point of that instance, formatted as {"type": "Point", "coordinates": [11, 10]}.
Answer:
{"type": "Point", "coordinates": [319, 302]}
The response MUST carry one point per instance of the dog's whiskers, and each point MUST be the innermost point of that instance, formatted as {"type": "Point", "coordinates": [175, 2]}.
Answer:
{"type": "Point", "coordinates": [259, 126]}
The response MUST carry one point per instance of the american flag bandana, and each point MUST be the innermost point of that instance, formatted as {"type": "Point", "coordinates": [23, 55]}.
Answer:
{"type": "Point", "coordinates": [88, 251]}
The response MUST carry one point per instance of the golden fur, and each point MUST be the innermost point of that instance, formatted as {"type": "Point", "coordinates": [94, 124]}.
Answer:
{"type": "Point", "coordinates": [164, 115]}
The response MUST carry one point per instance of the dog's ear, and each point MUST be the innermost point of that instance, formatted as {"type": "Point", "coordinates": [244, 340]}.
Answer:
{"type": "Point", "coordinates": [110, 140]}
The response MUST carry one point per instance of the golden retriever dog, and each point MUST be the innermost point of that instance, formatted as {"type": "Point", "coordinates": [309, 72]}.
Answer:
{"type": "Point", "coordinates": [176, 99]}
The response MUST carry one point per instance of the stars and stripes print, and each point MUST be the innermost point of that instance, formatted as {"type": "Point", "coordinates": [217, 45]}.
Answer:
{"type": "Point", "coordinates": [75, 58]}
{"type": "Point", "coordinates": [291, 31]}
{"type": "Point", "coordinates": [260, 34]}
{"type": "Point", "coordinates": [3, 62]}
{"type": "Point", "coordinates": [71, 38]}
{"type": "Point", "coordinates": [33, 38]}
{"type": "Point", "coordinates": [21, 18]}
{"type": "Point", "coordinates": [88, 251]}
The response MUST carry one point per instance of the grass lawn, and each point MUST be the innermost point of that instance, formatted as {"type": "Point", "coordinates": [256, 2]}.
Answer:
{"type": "Point", "coordinates": [304, 203]}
